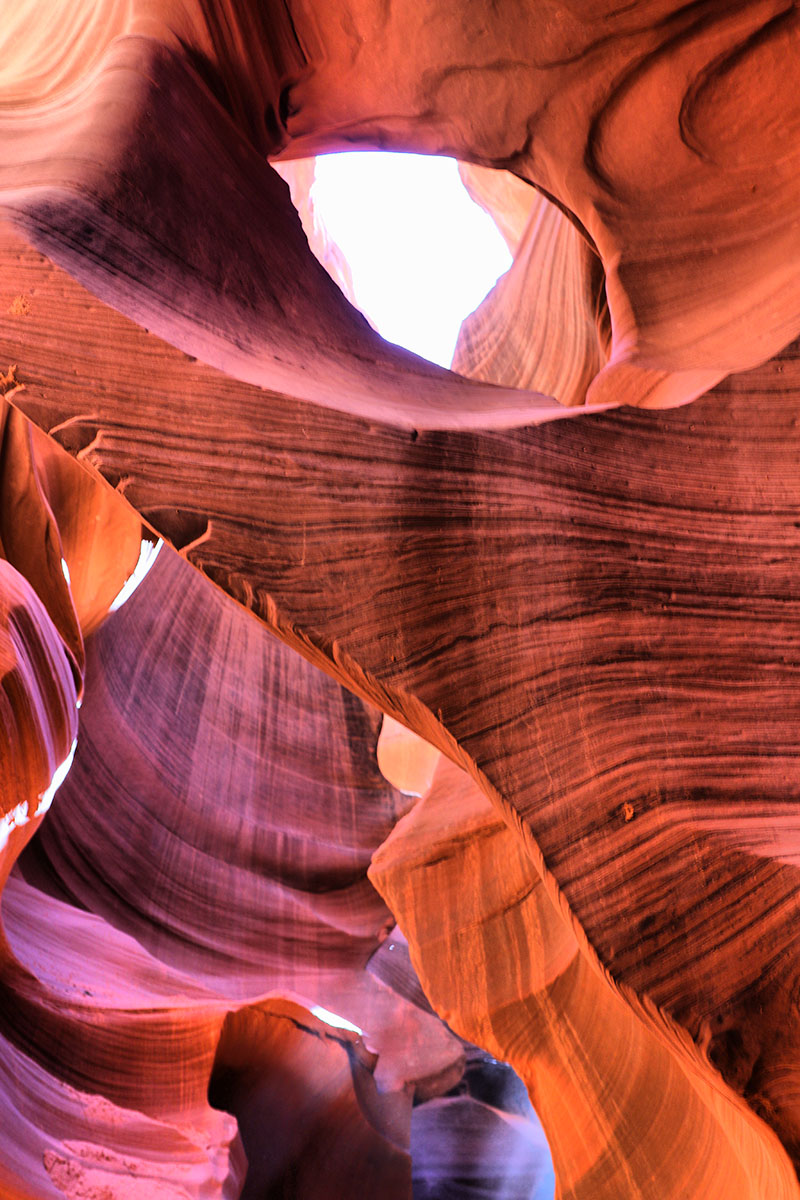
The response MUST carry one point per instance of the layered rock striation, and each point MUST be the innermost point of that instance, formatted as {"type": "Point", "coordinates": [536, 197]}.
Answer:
{"type": "Point", "coordinates": [567, 571]}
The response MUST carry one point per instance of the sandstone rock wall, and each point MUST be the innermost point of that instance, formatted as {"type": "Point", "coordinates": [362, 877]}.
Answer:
{"type": "Point", "coordinates": [572, 574]}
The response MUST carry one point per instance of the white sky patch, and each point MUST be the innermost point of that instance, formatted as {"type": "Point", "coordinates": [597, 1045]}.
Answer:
{"type": "Point", "coordinates": [147, 556]}
{"type": "Point", "coordinates": [13, 820]}
{"type": "Point", "coordinates": [330, 1018]}
{"type": "Point", "coordinates": [20, 816]}
{"type": "Point", "coordinates": [65, 569]}
{"type": "Point", "coordinates": [59, 775]}
{"type": "Point", "coordinates": [422, 254]}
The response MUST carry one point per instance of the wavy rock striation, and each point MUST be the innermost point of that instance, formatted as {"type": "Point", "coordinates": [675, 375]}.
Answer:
{"type": "Point", "coordinates": [498, 961]}
{"type": "Point", "coordinates": [554, 93]}
{"type": "Point", "coordinates": [593, 614]}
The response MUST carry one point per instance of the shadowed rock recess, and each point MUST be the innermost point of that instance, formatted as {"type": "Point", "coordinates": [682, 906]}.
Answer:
{"type": "Point", "coordinates": [406, 750]}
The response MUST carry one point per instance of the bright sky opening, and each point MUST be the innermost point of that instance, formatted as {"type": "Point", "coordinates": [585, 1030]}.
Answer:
{"type": "Point", "coordinates": [421, 252]}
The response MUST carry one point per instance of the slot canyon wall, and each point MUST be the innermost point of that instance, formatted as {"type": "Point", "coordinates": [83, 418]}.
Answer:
{"type": "Point", "coordinates": [366, 727]}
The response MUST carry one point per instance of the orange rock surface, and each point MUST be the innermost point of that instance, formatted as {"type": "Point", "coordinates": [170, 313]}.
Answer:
{"type": "Point", "coordinates": [567, 570]}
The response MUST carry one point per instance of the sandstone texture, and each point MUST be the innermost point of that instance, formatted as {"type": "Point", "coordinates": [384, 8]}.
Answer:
{"type": "Point", "coordinates": [368, 729]}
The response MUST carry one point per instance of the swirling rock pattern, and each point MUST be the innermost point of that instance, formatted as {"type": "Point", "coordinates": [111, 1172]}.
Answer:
{"type": "Point", "coordinates": [544, 325]}
{"type": "Point", "coordinates": [595, 616]}
{"type": "Point", "coordinates": [553, 92]}
{"type": "Point", "coordinates": [498, 961]}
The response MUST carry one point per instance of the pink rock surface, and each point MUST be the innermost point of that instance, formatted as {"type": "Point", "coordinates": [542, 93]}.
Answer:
{"type": "Point", "coordinates": [594, 617]}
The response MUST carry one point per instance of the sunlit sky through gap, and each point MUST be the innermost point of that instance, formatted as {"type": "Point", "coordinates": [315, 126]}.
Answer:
{"type": "Point", "coordinates": [422, 253]}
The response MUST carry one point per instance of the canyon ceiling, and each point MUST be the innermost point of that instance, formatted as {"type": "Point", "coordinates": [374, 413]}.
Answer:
{"type": "Point", "coordinates": [454, 720]}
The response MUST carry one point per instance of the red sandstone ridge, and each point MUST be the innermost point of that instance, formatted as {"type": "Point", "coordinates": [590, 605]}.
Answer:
{"type": "Point", "coordinates": [588, 626]}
